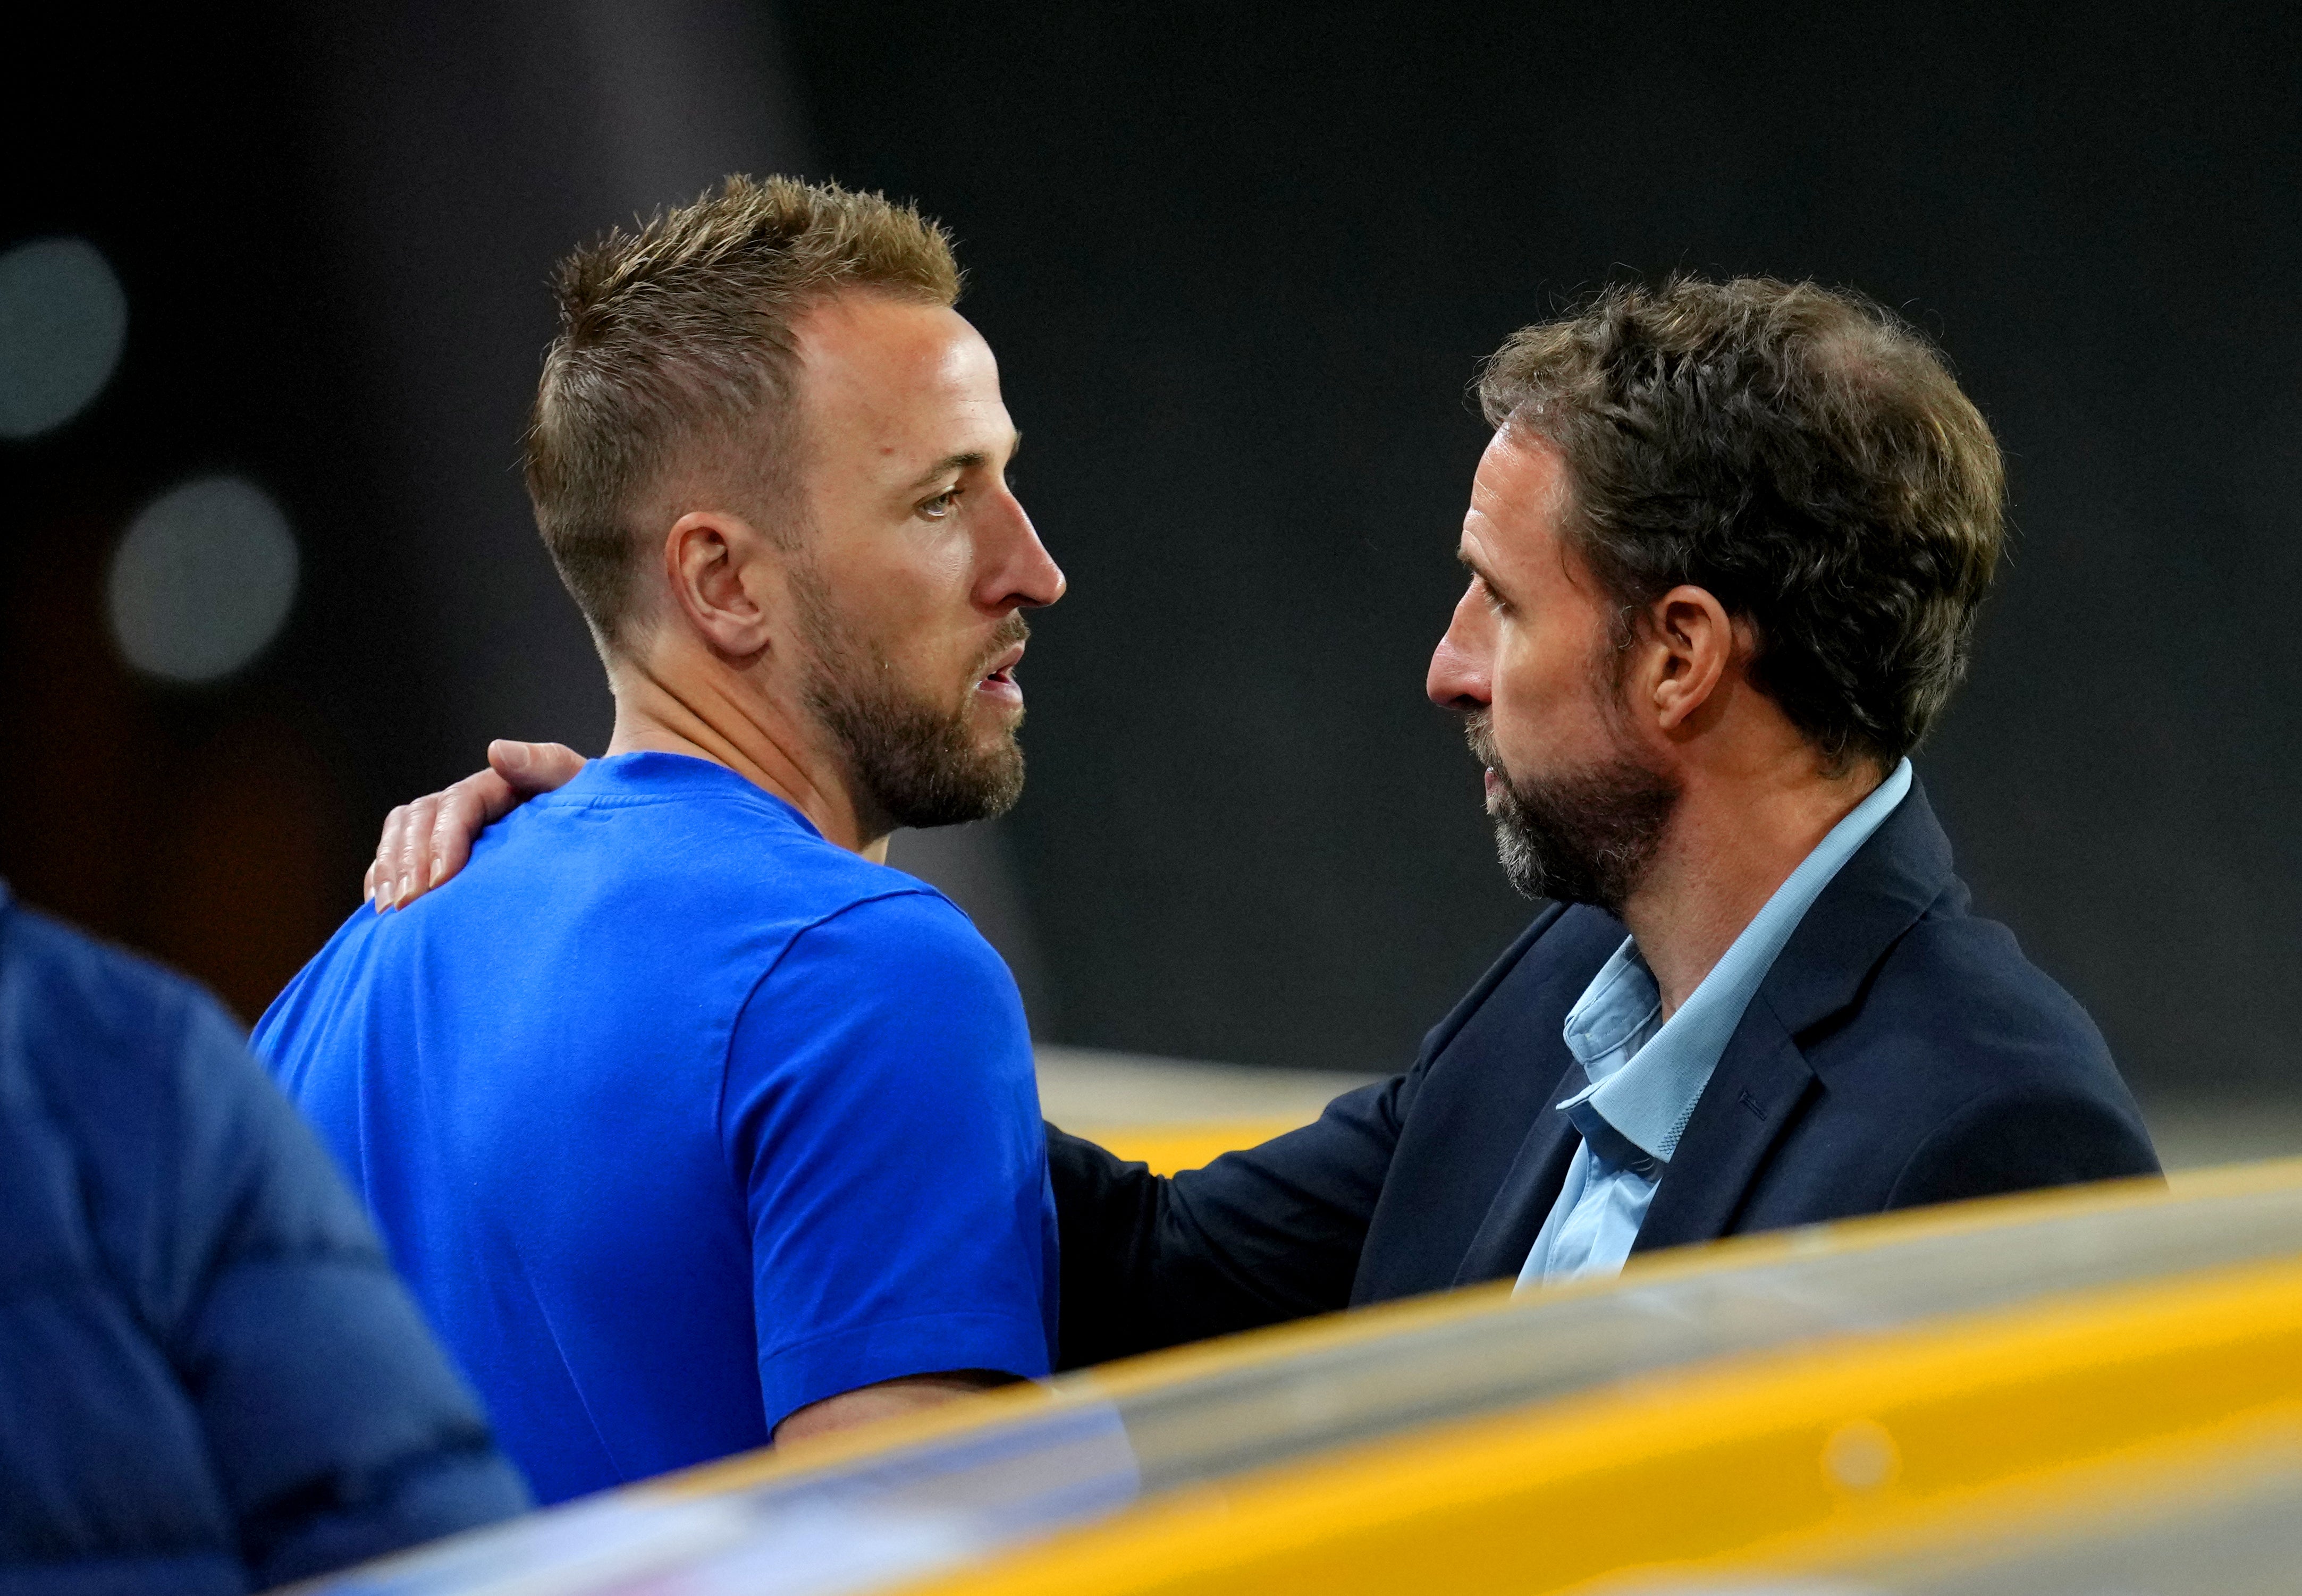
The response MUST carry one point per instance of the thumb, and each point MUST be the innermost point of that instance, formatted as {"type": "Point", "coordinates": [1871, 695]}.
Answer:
{"type": "Point", "coordinates": [533, 767]}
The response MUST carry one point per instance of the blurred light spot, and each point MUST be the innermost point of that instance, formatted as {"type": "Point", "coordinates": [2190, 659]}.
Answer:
{"type": "Point", "coordinates": [203, 580]}
{"type": "Point", "coordinates": [62, 319]}
{"type": "Point", "coordinates": [1861, 1455]}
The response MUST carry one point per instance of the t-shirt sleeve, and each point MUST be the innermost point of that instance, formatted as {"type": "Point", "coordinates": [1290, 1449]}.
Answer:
{"type": "Point", "coordinates": [882, 1112]}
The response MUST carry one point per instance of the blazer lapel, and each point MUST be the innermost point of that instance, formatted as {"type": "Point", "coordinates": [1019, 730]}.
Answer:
{"type": "Point", "coordinates": [1506, 1235]}
{"type": "Point", "coordinates": [1751, 1096]}
{"type": "Point", "coordinates": [1755, 1090]}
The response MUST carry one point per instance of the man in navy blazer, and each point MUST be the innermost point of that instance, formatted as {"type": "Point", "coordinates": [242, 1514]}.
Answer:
{"type": "Point", "coordinates": [1725, 550]}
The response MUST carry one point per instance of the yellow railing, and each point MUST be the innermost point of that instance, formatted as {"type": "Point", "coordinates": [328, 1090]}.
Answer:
{"type": "Point", "coordinates": [1791, 1459]}
{"type": "Point", "coordinates": [1776, 1404]}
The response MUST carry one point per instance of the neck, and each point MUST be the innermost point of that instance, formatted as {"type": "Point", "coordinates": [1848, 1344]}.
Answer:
{"type": "Point", "coordinates": [720, 714]}
{"type": "Point", "coordinates": [1734, 840]}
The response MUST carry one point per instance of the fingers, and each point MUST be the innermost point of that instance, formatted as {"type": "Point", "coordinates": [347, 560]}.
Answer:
{"type": "Point", "coordinates": [410, 867]}
{"type": "Point", "coordinates": [533, 767]}
{"type": "Point", "coordinates": [427, 842]}
{"type": "Point", "coordinates": [383, 873]}
{"type": "Point", "coordinates": [464, 811]}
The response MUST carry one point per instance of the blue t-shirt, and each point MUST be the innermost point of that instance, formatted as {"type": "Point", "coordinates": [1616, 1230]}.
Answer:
{"type": "Point", "coordinates": [678, 1118]}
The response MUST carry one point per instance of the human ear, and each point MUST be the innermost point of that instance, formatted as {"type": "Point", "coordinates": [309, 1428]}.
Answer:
{"type": "Point", "coordinates": [1694, 641]}
{"type": "Point", "coordinates": [715, 564]}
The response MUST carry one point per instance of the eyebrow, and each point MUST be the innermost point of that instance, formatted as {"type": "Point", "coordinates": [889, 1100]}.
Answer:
{"type": "Point", "coordinates": [971, 459]}
{"type": "Point", "coordinates": [1463, 558]}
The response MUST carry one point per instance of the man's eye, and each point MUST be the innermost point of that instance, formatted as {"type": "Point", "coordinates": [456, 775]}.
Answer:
{"type": "Point", "coordinates": [938, 508]}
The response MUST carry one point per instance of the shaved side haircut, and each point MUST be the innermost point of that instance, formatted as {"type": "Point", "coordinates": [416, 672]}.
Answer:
{"type": "Point", "coordinates": [673, 370]}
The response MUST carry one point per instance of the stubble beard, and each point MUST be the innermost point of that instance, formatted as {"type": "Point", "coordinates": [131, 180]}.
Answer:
{"type": "Point", "coordinates": [1585, 836]}
{"type": "Point", "coordinates": [913, 761]}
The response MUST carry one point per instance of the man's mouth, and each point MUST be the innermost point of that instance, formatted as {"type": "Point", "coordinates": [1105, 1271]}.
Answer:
{"type": "Point", "coordinates": [999, 682]}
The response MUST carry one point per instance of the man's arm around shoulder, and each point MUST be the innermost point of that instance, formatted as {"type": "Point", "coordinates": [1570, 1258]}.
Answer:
{"type": "Point", "coordinates": [1258, 1237]}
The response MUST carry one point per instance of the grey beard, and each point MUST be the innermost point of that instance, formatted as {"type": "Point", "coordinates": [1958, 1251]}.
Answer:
{"type": "Point", "coordinates": [912, 763]}
{"type": "Point", "coordinates": [1583, 837]}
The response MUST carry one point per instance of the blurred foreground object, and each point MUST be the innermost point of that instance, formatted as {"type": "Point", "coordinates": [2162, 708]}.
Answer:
{"type": "Point", "coordinates": [1991, 1380]}
{"type": "Point", "coordinates": [211, 1378]}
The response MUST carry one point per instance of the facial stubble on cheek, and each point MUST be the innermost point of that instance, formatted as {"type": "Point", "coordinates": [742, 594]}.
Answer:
{"type": "Point", "coordinates": [914, 761]}
{"type": "Point", "coordinates": [1583, 835]}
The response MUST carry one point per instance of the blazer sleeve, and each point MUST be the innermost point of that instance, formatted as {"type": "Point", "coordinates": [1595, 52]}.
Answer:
{"type": "Point", "coordinates": [1258, 1237]}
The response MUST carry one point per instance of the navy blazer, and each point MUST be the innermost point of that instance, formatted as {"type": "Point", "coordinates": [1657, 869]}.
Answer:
{"type": "Point", "coordinates": [1900, 1051]}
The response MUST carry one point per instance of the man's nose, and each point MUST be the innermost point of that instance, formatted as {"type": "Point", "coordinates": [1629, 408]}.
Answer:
{"type": "Point", "coordinates": [1028, 577]}
{"type": "Point", "coordinates": [1458, 677]}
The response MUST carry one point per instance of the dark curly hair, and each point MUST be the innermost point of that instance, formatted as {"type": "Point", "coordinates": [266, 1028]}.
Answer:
{"type": "Point", "coordinates": [1799, 452]}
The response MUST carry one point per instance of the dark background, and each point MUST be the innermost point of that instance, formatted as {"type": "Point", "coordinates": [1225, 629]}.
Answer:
{"type": "Point", "coordinates": [1239, 264]}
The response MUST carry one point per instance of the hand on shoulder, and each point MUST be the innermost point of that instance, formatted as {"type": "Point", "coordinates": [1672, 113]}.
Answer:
{"type": "Point", "coordinates": [427, 842]}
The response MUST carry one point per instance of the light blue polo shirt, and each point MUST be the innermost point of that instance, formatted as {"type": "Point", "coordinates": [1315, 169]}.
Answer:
{"type": "Point", "coordinates": [1647, 1073]}
{"type": "Point", "coordinates": [678, 1117]}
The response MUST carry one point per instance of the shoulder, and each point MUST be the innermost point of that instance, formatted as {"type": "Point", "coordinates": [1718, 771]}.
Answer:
{"type": "Point", "coordinates": [1961, 986]}
{"type": "Point", "coordinates": [79, 1001]}
{"type": "Point", "coordinates": [902, 930]}
{"type": "Point", "coordinates": [1984, 1058]}
{"type": "Point", "coordinates": [898, 974]}
{"type": "Point", "coordinates": [318, 988]}
{"type": "Point", "coordinates": [727, 854]}
{"type": "Point", "coordinates": [1491, 1046]}
{"type": "Point", "coordinates": [177, 1129]}
{"type": "Point", "coordinates": [892, 1014]}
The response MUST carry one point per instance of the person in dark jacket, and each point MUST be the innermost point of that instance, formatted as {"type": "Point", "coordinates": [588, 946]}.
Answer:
{"type": "Point", "coordinates": [1726, 550]}
{"type": "Point", "coordinates": [210, 1379]}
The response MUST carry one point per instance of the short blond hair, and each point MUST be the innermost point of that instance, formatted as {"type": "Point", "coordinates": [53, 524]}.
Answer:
{"type": "Point", "coordinates": [675, 342]}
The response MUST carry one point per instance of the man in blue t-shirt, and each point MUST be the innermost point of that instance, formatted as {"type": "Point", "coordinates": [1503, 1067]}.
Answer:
{"type": "Point", "coordinates": [691, 1123]}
